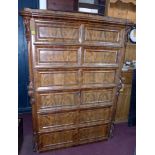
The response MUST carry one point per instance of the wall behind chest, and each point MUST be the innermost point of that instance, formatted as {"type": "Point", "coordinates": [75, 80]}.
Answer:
{"type": "Point", "coordinates": [125, 9]}
{"type": "Point", "coordinates": [122, 9]}
{"type": "Point", "coordinates": [23, 99]}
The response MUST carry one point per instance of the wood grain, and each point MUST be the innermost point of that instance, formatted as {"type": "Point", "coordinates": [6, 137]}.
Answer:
{"type": "Point", "coordinates": [57, 78]}
{"type": "Point", "coordinates": [98, 77]}
{"type": "Point", "coordinates": [96, 96]}
{"type": "Point", "coordinates": [123, 104]}
{"type": "Point", "coordinates": [58, 99]}
{"type": "Point", "coordinates": [100, 56]}
{"type": "Point", "coordinates": [57, 56]}
{"type": "Point", "coordinates": [122, 10]}
{"type": "Point", "coordinates": [93, 133]}
{"type": "Point", "coordinates": [95, 115]}
{"type": "Point", "coordinates": [56, 139]}
{"type": "Point", "coordinates": [57, 120]}
{"type": "Point", "coordinates": [75, 63]}
{"type": "Point", "coordinates": [99, 34]}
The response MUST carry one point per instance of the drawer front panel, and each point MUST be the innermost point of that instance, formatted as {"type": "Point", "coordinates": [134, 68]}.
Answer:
{"type": "Point", "coordinates": [95, 115]}
{"type": "Point", "coordinates": [57, 32]}
{"type": "Point", "coordinates": [57, 139]}
{"type": "Point", "coordinates": [55, 120]}
{"type": "Point", "coordinates": [92, 77]}
{"type": "Point", "coordinates": [100, 56]}
{"type": "Point", "coordinates": [57, 56]}
{"type": "Point", "coordinates": [100, 34]}
{"type": "Point", "coordinates": [93, 133]}
{"type": "Point", "coordinates": [57, 78]}
{"type": "Point", "coordinates": [58, 100]}
{"type": "Point", "coordinates": [97, 97]}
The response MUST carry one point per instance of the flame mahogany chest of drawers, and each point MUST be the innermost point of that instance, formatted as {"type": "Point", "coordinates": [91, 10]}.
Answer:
{"type": "Point", "coordinates": [75, 61]}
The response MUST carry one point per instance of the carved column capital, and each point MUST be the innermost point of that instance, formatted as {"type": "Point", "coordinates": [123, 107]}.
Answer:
{"type": "Point", "coordinates": [35, 146]}
{"type": "Point", "coordinates": [31, 92]}
{"type": "Point", "coordinates": [111, 134]}
{"type": "Point", "coordinates": [127, 29]}
{"type": "Point", "coordinates": [27, 27]}
{"type": "Point", "coordinates": [119, 87]}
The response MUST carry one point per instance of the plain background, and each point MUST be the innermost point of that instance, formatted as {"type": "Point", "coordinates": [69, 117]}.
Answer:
{"type": "Point", "coordinates": [145, 77]}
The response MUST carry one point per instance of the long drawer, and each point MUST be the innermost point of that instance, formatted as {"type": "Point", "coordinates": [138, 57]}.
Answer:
{"type": "Point", "coordinates": [61, 100]}
{"type": "Point", "coordinates": [68, 32]}
{"type": "Point", "coordinates": [73, 119]}
{"type": "Point", "coordinates": [75, 56]}
{"type": "Point", "coordinates": [72, 137]}
{"type": "Point", "coordinates": [54, 79]}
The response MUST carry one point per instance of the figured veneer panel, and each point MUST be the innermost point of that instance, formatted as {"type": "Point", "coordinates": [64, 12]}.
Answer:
{"type": "Point", "coordinates": [57, 31]}
{"type": "Point", "coordinates": [95, 115]}
{"type": "Point", "coordinates": [57, 56]}
{"type": "Point", "coordinates": [97, 97]}
{"type": "Point", "coordinates": [93, 133]}
{"type": "Point", "coordinates": [57, 139]}
{"type": "Point", "coordinates": [100, 34]}
{"type": "Point", "coordinates": [56, 120]}
{"type": "Point", "coordinates": [58, 99]}
{"type": "Point", "coordinates": [55, 78]}
{"type": "Point", "coordinates": [93, 77]}
{"type": "Point", "coordinates": [100, 56]}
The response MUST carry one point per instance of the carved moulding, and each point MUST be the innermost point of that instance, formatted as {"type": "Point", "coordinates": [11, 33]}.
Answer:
{"type": "Point", "coordinates": [27, 28]}
{"type": "Point", "coordinates": [124, 1]}
{"type": "Point", "coordinates": [31, 93]}
{"type": "Point", "coordinates": [35, 145]}
{"type": "Point", "coordinates": [119, 87]}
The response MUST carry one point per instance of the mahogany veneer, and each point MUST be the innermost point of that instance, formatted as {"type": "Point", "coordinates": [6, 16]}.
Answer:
{"type": "Point", "coordinates": [75, 61]}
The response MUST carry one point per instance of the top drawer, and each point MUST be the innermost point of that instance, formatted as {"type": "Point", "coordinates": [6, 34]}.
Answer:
{"type": "Point", "coordinates": [77, 32]}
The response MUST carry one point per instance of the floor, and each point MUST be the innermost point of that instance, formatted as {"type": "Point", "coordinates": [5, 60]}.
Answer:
{"type": "Point", "coordinates": [122, 143]}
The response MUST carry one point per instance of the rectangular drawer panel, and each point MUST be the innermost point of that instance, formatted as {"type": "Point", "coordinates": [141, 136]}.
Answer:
{"type": "Point", "coordinates": [57, 32]}
{"type": "Point", "coordinates": [97, 97]}
{"type": "Point", "coordinates": [58, 99]}
{"type": "Point", "coordinates": [57, 78]}
{"type": "Point", "coordinates": [93, 133]}
{"type": "Point", "coordinates": [63, 119]}
{"type": "Point", "coordinates": [57, 56]}
{"type": "Point", "coordinates": [100, 56]}
{"type": "Point", "coordinates": [95, 115]}
{"type": "Point", "coordinates": [102, 34]}
{"type": "Point", "coordinates": [92, 77]}
{"type": "Point", "coordinates": [57, 139]}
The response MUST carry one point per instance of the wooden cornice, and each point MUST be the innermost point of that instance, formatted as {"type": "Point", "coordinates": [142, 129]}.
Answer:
{"type": "Point", "coordinates": [27, 27]}
{"type": "Point", "coordinates": [124, 1]}
{"type": "Point", "coordinates": [36, 13]}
